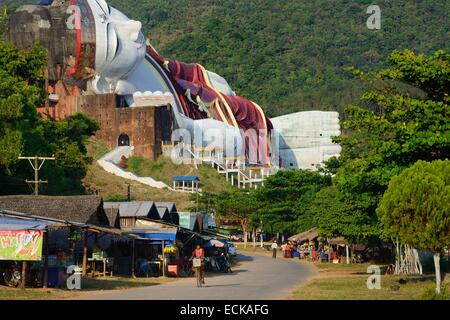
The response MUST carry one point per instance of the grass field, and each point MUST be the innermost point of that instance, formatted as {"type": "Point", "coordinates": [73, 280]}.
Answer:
{"type": "Point", "coordinates": [349, 282]}
{"type": "Point", "coordinates": [164, 169]}
{"type": "Point", "coordinates": [111, 187]}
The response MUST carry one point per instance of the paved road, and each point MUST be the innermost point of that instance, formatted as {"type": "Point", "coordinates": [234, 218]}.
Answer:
{"type": "Point", "coordinates": [259, 277]}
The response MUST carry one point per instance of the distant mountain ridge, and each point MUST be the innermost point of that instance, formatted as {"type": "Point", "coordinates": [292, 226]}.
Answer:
{"type": "Point", "coordinates": [289, 55]}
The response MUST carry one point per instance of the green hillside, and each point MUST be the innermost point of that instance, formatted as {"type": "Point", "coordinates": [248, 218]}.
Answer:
{"type": "Point", "coordinates": [289, 55]}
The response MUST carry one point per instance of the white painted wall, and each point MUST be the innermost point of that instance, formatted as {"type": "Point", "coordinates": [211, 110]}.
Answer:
{"type": "Point", "coordinates": [305, 138]}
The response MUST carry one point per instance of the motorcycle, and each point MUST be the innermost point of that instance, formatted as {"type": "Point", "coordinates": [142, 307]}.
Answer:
{"type": "Point", "coordinates": [11, 273]}
{"type": "Point", "coordinates": [223, 264]}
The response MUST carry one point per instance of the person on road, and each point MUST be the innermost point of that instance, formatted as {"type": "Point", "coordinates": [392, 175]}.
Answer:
{"type": "Point", "coordinates": [287, 250]}
{"type": "Point", "coordinates": [274, 249]}
{"type": "Point", "coordinates": [199, 253]}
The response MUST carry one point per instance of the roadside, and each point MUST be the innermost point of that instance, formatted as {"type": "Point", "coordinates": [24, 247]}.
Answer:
{"type": "Point", "coordinates": [349, 282]}
{"type": "Point", "coordinates": [93, 285]}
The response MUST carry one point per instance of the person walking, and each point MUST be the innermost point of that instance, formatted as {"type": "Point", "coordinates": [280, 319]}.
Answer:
{"type": "Point", "coordinates": [274, 249]}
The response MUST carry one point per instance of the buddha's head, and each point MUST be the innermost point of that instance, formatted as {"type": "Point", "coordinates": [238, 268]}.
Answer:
{"type": "Point", "coordinates": [83, 38]}
{"type": "Point", "coordinates": [120, 44]}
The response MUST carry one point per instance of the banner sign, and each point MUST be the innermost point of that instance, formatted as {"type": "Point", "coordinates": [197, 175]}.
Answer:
{"type": "Point", "coordinates": [21, 245]}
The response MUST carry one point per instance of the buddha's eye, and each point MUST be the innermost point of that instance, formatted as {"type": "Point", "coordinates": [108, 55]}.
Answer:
{"type": "Point", "coordinates": [113, 42]}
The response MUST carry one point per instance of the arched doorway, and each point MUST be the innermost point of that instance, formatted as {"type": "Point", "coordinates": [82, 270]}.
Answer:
{"type": "Point", "coordinates": [124, 140]}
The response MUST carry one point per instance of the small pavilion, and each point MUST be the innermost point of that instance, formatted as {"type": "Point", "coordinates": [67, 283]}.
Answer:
{"type": "Point", "coordinates": [186, 183]}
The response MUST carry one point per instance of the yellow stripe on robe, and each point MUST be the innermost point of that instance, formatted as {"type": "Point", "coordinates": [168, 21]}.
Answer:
{"type": "Point", "coordinates": [261, 112]}
{"type": "Point", "coordinates": [232, 117]}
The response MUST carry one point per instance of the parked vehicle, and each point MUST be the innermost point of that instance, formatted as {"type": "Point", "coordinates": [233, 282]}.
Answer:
{"type": "Point", "coordinates": [363, 256]}
{"type": "Point", "coordinates": [11, 273]}
{"type": "Point", "coordinates": [232, 251]}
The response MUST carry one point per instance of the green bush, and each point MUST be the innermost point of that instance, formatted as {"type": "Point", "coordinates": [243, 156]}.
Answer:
{"type": "Point", "coordinates": [134, 164]}
{"type": "Point", "coordinates": [429, 293]}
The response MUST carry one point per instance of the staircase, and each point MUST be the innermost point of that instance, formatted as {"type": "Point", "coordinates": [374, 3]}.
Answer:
{"type": "Point", "coordinates": [235, 170]}
{"type": "Point", "coordinates": [110, 163]}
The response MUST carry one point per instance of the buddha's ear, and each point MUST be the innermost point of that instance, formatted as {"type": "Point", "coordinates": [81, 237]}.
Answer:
{"type": "Point", "coordinates": [129, 29]}
{"type": "Point", "coordinates": [100, 85]}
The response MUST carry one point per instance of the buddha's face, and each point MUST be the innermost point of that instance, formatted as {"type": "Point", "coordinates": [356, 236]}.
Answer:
{"type": "Point", "coordinates": [120, 44]}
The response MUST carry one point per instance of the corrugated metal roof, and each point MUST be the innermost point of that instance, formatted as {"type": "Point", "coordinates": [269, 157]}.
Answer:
{"type": "Point", "coordinates": [7, 223]}
{"type": "Point", "coordinates": [171, 206]}
{"type": "Point", "coordinates": [162, 211]}
{"type": "Point", "coordinates": [131, 209]}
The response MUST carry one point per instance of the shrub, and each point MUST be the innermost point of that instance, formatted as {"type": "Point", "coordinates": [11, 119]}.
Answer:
{"type": "Point", "coordinates": [429, 293]}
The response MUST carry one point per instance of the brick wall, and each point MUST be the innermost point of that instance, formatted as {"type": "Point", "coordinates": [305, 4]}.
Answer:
{"type": "Point", "coordinates": [146, 127]}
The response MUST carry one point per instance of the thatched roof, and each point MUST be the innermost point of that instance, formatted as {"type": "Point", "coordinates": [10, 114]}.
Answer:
{"type": "Point", "coordinates": [339, 240]}
{"type": "Point", "coordinates": [172, 209]}
{"type": "Point", "coordinates": [307, 235]}
{"type": "Point", "coordinates": [83, 209]}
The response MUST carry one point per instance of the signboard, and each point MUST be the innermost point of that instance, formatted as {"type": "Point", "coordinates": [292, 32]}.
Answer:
{"type": "Point", "coordinates": [185, 220]}
{"type": "Point", "coordinates": [21, 245]}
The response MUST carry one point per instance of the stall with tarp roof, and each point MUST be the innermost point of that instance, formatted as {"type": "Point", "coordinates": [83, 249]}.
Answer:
{"type": "Point", "coordinates": [153, 238]}
{"type": "Point", "coordinates": [39, 241]}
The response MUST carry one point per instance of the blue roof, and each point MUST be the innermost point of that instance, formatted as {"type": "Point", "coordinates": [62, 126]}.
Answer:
{"type": "Point", "coordinates": [7, 223]}
{"type": "Point", "coordinates": [157, 238]}
{"type": "Point", "coordinates": [185, 178]}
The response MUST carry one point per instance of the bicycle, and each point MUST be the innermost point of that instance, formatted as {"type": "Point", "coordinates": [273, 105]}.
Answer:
{"type": "Point", "coordinates": [197, 266]}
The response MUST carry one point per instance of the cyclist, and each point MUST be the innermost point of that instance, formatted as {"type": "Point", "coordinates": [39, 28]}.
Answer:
{"type": "Point", "coordinates": [199, 253]}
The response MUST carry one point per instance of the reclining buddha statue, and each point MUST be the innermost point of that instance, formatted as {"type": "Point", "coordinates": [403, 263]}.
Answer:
{"type": "Point", "coordinates": [96, 49]}
{"type": "Point", "coordinates": [99, 49]}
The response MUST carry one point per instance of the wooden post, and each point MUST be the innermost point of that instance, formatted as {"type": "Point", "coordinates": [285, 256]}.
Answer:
{"type": "Point", "coordinates": [24, 274]}
{"type": "Point", "coordinates": [132, 260]}
{"type": "Point", "coordinates": [85, 241]}
{"type": "Point", "coordinates": [45, 280]}
{"type": "Point", "coordinates": [347, 254]}
{"type": "Point", "coordinates": [164, 259]}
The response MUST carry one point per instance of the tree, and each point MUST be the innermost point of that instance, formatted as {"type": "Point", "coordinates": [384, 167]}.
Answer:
{"type": "Point", "coordinates": [416, 207]}
{"type": "Point", "coordinates": [22, 130]}
{"type": "Point", "coordinates": [285, 200]}
{"type": "Point", "coordinates": [403, 118]}
{"type": "Point", "coordinates": [21, 75]}
{"type": "Point", "coordinates": [337, 216]}
{"type": "Point", "coordinates": [239, 205]}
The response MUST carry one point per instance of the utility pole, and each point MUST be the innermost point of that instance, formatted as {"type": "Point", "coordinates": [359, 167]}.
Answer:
{"type": "Point", "coordinates": [36, 163]}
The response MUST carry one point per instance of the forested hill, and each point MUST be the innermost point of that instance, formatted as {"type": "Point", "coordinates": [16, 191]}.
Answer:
{"type": "Point", "coordinates": [289, 55]}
